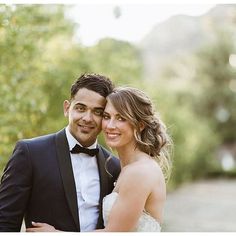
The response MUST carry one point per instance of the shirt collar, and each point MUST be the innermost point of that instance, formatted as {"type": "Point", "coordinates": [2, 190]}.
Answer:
{"type": "Point", "coordinates": [72, 141]}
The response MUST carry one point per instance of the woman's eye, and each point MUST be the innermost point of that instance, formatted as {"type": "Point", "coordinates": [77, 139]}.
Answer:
{"type": "Point", "coordinates": [121, 118]}
{"type": "Point", "coordinates": [105, 117]}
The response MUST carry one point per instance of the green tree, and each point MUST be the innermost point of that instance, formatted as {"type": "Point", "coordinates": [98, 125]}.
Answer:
{"type": "Point", "coordinates": [193, 139]}
{"type": "Point", "coordinates": [215, 75]}
{"type": "Point", "coordinates": [199, 90]}
{"type": "Point", "coordinates": [40, 59]}
{"type": "Point", "coordinates": [118, 59]}
{"type": "Point", "coordinates": [25, 33]}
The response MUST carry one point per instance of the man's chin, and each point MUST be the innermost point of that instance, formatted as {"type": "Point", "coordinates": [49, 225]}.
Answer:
{"type": "Point", "coordinates": [86, 139]}
{"type": "Point", "coordinates": [86, 130]}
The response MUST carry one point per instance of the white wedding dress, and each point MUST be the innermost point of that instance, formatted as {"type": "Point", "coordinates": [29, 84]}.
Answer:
{"type": "Point", "coordinates": [146, 222]}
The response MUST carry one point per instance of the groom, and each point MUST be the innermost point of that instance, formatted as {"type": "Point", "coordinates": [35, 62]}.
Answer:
{"type": "Point", "coordinates": [61, 178]}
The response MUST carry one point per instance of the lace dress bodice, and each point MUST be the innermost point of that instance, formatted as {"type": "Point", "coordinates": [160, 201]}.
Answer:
{"type": "Point", "coordinates": [146, 222]}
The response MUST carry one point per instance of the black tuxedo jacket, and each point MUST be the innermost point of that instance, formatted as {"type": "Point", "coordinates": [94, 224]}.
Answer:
{"type": "Point", "coordinates": [38, 184]}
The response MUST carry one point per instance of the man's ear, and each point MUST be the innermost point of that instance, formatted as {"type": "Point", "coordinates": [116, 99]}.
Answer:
{"type": "Point", "coordinates": [66, 106]}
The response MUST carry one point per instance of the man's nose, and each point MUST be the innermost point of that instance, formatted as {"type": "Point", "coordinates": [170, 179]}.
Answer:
{"type": "Point", "coordinates": [88, 116]}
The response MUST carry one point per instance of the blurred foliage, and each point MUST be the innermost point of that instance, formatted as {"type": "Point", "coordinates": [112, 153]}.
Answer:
{"type": "Point", "coordinates": [40, 59]}
{"type": "Point", "coordinates": [118, 59]}
{"type": "Point", "coordinates": [25, 31]}
{"type": "Point", "coordinates": [215, 76]}
{"type": "Point", "coordinates": [193, 150]}
{"type": "Point", "coordinates": [199, 86]}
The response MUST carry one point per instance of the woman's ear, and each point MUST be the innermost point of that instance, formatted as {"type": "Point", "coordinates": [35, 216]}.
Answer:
{"type": "Point", "coordinates": [141, 126]}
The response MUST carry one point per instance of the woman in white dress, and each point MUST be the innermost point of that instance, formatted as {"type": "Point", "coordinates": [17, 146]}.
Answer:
{"type": "Point", "coordinates": [132, 128]}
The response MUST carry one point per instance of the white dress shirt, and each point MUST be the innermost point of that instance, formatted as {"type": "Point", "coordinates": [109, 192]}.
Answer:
{"type": "Point", "coordinates": [86, 175]}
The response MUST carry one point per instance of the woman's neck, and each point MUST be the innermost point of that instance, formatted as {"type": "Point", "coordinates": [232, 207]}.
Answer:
{"type": "Point", "coordinates": [128, 155]}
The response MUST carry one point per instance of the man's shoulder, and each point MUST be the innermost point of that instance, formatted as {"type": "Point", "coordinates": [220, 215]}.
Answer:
{"type": "Point", "coordinates": [37, 139]}
{"type": "Point", "coordinates": [111, 160]}
{"type": "Point", "coordinates": [105, 152]}
{"type": "Point", "coordinates": [42, 138]}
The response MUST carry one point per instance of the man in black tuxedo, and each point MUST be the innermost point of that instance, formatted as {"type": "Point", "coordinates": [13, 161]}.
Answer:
{"type": "Point", "coordinates": [53, 179]}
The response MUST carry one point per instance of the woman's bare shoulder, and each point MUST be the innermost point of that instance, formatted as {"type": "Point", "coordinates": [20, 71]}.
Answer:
{"type": "Point", "coordinates": [144, 173]}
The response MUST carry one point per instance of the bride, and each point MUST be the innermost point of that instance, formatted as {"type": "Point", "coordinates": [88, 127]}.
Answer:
{"type": "Point", "coordinates": [137, 134]}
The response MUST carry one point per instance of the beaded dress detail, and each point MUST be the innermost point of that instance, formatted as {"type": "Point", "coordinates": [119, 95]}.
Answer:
{"type": "Point", "coordinates": [146, 222]}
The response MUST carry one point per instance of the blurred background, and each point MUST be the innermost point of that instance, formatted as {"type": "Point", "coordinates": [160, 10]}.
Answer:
{"type": "Point", "coordinates": [183, 56]}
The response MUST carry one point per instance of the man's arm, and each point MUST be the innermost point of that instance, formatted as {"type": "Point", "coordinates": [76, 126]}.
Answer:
{"type": "Point", "coordinates": [15, 189]}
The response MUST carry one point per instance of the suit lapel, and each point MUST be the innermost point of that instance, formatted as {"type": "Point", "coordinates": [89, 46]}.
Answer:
{"type": "Point", "coordinates": [104, 189]}
{"type": "Point", "coordinates": [67, 174]}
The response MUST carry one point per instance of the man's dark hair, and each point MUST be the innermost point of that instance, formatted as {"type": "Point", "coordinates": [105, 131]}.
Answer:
{"type": "Point", "coordinates": [95, 82]}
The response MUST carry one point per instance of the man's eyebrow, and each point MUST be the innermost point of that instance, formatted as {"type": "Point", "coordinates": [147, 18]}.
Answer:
{"type": "Point", "coordinates": [95, 108]}
{"type": "Point", "coordinates": [81, 104]}
{"type": "Point", "coordinates": [98, 108]}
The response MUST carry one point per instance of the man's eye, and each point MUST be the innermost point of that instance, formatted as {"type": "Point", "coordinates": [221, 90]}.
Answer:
{"type": "Point", "coordinates": [98, 112]}
{"type": "Point", "coordinates": [80, 108]}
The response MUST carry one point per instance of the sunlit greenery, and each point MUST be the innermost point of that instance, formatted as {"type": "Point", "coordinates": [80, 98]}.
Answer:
{"type": "Point", "coordinates": [215, 75]}
{"type": "Point", "coordinates": [40, 58]}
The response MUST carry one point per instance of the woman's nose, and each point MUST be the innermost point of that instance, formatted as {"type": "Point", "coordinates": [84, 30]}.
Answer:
{"type": "Point", "coordinates": [111, 124]}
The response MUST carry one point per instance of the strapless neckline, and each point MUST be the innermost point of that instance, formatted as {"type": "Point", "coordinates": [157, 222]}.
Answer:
{"type": "Point", "coordinates": [146, 223]}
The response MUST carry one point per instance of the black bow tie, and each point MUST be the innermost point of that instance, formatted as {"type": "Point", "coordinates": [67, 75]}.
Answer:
{"type": "Point", "coordinates": [78, 149]}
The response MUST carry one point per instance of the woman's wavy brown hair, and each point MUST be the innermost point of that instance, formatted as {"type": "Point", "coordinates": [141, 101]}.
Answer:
{"type": "Point", "coordinates": [150, 132]}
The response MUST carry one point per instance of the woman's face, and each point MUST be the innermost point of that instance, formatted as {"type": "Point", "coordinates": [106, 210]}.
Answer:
{"type": "Point", "coordinates": [117, 130]}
